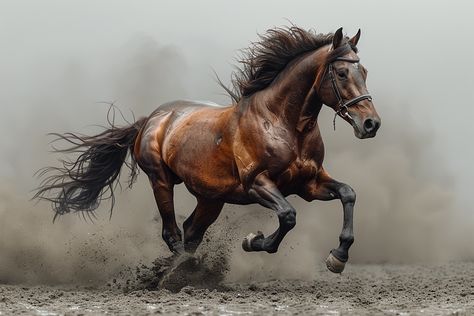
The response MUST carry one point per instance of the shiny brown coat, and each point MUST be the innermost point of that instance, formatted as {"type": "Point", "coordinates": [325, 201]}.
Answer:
{"type": "Point", "coordinates": [261, 148]}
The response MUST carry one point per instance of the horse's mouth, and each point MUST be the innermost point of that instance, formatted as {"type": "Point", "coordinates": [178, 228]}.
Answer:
{"type": "Point", "coordinates": [368, 135]}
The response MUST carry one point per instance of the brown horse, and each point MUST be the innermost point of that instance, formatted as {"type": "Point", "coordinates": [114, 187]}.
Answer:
{"type": "Point", "coordinates": [262, 148]}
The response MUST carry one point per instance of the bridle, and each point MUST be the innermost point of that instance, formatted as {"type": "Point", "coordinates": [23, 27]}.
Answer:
{"type": "Point", "coordinates": [341, 105]}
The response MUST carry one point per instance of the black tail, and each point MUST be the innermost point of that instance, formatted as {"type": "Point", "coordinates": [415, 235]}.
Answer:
{"type": "Point", "coordinates": [80, 185]}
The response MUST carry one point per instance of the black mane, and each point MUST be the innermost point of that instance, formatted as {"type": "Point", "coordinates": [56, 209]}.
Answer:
{"type": "Point", "coordinates": [266, 58]}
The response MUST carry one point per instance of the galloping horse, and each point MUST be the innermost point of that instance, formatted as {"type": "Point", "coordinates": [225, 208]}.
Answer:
{"type": "Point", "coordinates": [263, 147]}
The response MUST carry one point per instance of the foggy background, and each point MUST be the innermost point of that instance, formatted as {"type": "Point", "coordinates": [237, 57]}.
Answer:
{"type": "Point", "coordinates": [60, 59]}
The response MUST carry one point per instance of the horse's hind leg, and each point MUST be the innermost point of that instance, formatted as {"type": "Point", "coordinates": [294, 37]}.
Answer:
{"type": "Point", "coordinates": [162, 184]}
{"type": "Point", "coordinates": [205, 213]}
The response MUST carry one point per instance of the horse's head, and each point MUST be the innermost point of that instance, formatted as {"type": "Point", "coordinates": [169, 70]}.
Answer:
{"type": "Point", "coordinates": [342, 86]}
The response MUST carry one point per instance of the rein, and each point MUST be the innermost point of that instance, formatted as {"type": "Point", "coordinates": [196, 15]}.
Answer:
{"type": "Point", "coordinates": [341, 105]}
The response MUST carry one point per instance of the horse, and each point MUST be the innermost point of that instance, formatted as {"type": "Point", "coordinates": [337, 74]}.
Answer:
{"type": "Point", "coordinates": [261, 148]}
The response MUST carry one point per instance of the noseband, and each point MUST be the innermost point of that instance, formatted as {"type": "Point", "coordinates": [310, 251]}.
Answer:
{"type": "Point", "coordinates": [341, 105]}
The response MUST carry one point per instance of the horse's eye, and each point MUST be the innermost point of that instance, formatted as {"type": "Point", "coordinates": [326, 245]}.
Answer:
{"type": "Point", "coordinates": [342, 74]}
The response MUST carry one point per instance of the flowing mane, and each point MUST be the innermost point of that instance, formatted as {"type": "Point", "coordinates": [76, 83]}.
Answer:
{"type": "Point", "coordinates": [266, 58]}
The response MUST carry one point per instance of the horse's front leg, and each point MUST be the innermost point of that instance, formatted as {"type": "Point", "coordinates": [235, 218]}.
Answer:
{"type": "Point", "coordinates": [265, 192]}
{"type": "Point", "coordinates": [323, 187]}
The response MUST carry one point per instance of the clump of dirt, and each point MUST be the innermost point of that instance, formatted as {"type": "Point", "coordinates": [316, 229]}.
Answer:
{"type": "Point", "coordinates": [207, 269]}
{"type": "Point", "coordinates": [176, 272]}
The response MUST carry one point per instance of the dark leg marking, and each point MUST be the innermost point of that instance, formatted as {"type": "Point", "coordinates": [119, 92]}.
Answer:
{"type": "Point", "coordinates": [265, 192]}
{"type": "Point", "coordinates": [325, 188]}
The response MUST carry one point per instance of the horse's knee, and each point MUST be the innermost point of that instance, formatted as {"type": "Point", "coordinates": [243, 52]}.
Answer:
{"type": "Point", "coordinates": [288, 217]}
{"type": "Point", "coordinates": [347, 194]}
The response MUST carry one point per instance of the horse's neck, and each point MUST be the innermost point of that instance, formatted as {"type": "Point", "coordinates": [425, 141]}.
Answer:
{"type": "Point", "coordinates": [291, 96]}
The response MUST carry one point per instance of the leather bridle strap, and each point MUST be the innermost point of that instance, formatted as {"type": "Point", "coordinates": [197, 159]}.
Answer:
{"type": "Point", "coordinates": [357, 100]}
{"type": "Point", "coordinates": [341, 105]}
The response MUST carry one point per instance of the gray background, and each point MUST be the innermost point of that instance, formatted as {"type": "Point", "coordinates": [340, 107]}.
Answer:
{"type": "Point", "coordinates": [58, 59]}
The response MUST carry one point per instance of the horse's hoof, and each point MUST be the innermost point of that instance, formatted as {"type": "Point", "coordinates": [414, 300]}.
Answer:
{"type": "Point", "coordinates": [247, 242]}
{"type": "Point", "coordinates": [334, 265]}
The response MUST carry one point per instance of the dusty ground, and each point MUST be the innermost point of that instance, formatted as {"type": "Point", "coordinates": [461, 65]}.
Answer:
{"type": "Point", "coordinates": [361, 289]}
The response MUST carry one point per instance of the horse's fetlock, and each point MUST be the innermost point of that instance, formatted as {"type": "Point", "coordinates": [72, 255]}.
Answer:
{"type": "Point", "coordinates": [168, 236]}
{"type": "Point", "coordinates": [347, 239]}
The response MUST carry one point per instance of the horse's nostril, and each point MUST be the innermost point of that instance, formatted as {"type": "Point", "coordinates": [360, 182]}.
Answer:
{"type": "Point", "coordinates": [369, 125]}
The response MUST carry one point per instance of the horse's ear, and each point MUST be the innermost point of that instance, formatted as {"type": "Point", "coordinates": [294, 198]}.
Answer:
{"type": "Point", "coordinates": [337, 38]}
{"type": "Point", "coordinates": [353, 41]}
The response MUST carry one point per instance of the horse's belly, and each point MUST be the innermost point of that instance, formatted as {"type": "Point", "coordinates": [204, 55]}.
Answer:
{"type": "Point", "coordinates": [208, 179]}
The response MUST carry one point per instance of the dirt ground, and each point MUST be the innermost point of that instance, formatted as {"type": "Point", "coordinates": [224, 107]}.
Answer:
{"type": "Point", "coordinates": [361, 290]}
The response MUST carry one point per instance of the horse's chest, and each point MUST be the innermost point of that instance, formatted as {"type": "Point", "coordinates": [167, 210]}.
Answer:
{"type": "Point", "coordinates": [297, 173]}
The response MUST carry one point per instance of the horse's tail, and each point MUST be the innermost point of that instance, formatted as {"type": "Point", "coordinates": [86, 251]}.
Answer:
{"type": "Point", "coordinates": [81, 184]}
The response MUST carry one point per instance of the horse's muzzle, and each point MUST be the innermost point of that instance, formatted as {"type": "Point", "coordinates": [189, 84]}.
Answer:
{"type": "Point", "coordinates": [370, 127]}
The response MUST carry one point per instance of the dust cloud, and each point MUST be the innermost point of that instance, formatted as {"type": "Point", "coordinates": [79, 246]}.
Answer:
{"type": "Point", "coordinates": [32, 249]}
{"type": "Point", "coordinates": [406, 209]}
